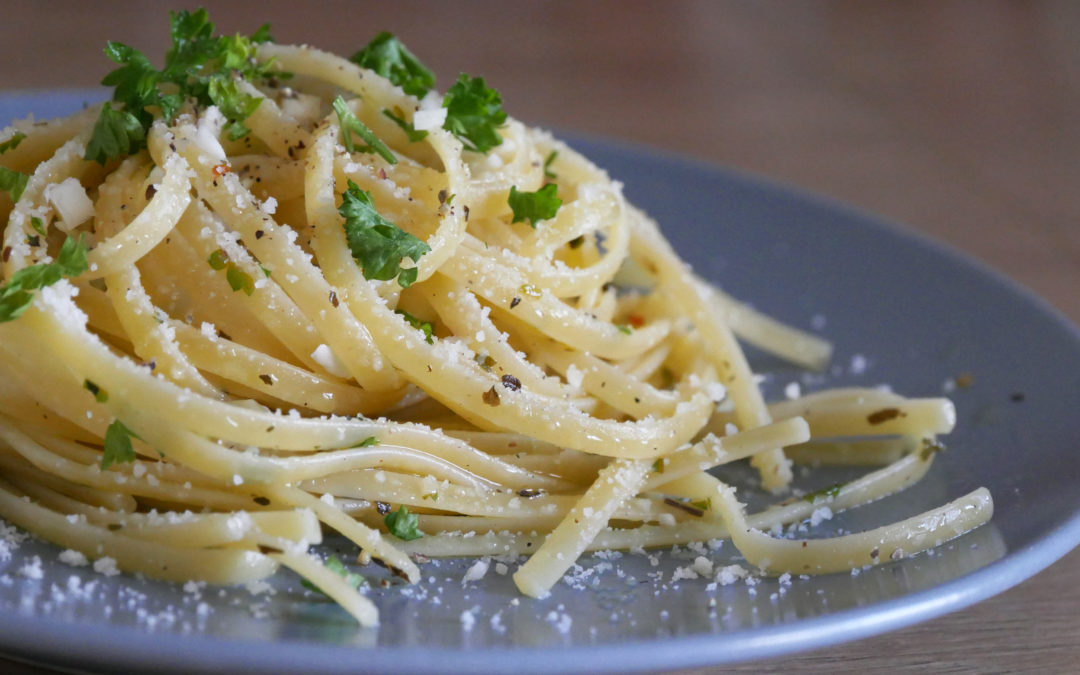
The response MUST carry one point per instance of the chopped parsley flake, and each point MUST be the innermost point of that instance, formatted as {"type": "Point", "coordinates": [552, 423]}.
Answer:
{"type": "Point", "coordinates": [337, 567]}
{"type": "Point", "coordinates": [425, 327]}
{"type": "Point", "coordinates": [403, 525]}
{"type": "Point", "coordinates": [474, 113]}
{"type": "Point", "coordinates": [377, 245]}
{"type": "Point", "coordinates": [100, 395]}
{"type": "Point", "coordinates": [548, 173]}
{"type": "Point", "coordinates": [367, 442]}
{"type": "Point", "coordinates": [15, 295]}
{"type": "Point", "coordinates": [702, 504]}
{"type": "Point", "coordinates": [38, 224]}
{"type": "Point", "coordinates": [13, 142]}
{"type": "Point", "coordinates": [623, 328]}
{"type": "Point", "coordinates": [350, 125]}
{"type": "Point", "coordinates": [218, 259]}
{"type": "Point", "coordinates": [13, 181]}
{"type": "Point", "coordinates": [824, 493]}
{"type": "Point", "coordinates": [534, 206]}
{"type": "Point", "coordinates": [239, 280]}
{"type": "Point", "coordinates": [118, 445]}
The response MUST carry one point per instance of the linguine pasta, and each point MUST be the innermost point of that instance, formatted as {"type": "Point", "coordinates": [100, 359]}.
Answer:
{"type": "Point", "coordinates": [310, 293]}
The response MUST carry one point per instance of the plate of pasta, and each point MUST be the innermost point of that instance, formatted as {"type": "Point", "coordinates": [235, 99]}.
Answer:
{"type": "Point", "coordinates": [308, 364]}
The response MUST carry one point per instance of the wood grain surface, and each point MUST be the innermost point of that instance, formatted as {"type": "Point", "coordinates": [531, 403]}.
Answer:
{"type": "Point", "coordinates": [958, 119]}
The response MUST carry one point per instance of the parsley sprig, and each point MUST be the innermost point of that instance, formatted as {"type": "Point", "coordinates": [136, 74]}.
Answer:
{"type": "Point", "coordinates": [474, 113]}
{"type": "Point", "coordinates": [378, 245]}
{"type": "Point", "coordinates": [16, 295]}
{"type": "Point", "coordinates": [387, 56]}
{"type": "Point", "coordinates": [350, 125]}
{"type": "Point", "coordinates": [534, 206]}
{"type": "Point", "coordinates": [198, 66]}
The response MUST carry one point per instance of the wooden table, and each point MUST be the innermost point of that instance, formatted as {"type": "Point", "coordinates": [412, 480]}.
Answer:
{"type": "Point", "coordinates": [956, 118]}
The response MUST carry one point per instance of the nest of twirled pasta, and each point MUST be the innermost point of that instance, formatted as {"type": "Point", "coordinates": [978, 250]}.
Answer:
{"type": "Point", "coordinates": [342, 307]}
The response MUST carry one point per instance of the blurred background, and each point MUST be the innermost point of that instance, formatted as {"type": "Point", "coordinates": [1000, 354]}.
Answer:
{"type": "Point", "coordinates": [958, 119]}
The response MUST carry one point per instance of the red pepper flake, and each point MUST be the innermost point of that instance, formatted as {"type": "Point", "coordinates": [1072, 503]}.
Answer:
{"type": "Point", "coordinates": [511, 382]}
{"type": "Point", "coordinates": [884, 415]}
{"type": "Point", "coordinates": [965, 380]}
{"type": "Point", "coordinates": [151, 190]}
{"type": "Point", "coordinates": [221, 169]}
{"type": "Point", "coordinates": [382, 174]}
{"type": "Point", "coordinates": [636, 320]}
{"type": "Point", "coordinates": [515, 302]}
{"type": "Point", "coordinates": [267, 379]}
{"type": "Point", "coordinates": [333, 299]}
{"type": "Point", "coordinates": [491, 397]}
{"type": "Point", "coordinates": [7, 253]}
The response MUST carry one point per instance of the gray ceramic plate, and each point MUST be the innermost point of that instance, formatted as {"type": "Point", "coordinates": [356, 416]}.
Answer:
{"type": "Point", "coordinates": [900, 309]}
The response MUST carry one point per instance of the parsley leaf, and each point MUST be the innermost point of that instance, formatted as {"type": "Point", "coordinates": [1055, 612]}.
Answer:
{"type": "Point", "coordinates": [136, 83]}
{"type": "Point", "coordinates": [116, 133]}
{"type": "Point", "coordinates": [13, 181]}
{"type": "Point", "coordinates": [350, 124]}
{"type": "Point", "coordinates": [262, 34]}
{"type": "Point", "coordinates": [192, 44]}
{"type": "Point", "coordinates": [13, 142]}
{"type": "Point", "coordinates": [387, 56]}
{"type": "Point", "coordinates": [425, 327]}
{"type": "Point", "coordinates": [337, 567]}
{"type": "Point", "coordinates": [377, 245]}
{"type": "Point", "coordinates": [117, 445]}
{"type": "Point", "coordinates": [403, 525]}
{"type": "Point", "coordinates": [534, 206]}
{"type": "Point", "coordinates": [410, 131]}
{"type": "Point", "coordinates": [15, 296]}
{"type": "Point", "coordinates": [235, 105]}
{"type": "Point", "coordinates": [473, 113]}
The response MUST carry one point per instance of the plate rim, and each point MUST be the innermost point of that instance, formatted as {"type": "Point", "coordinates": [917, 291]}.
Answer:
{"type": "Point", "coordinates": [111, 646]}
